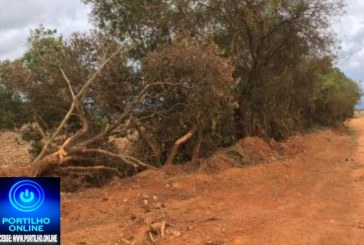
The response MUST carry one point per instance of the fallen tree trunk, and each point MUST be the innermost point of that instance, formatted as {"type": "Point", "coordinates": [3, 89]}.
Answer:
{"type": "Point", "coordinates": [176, 145]}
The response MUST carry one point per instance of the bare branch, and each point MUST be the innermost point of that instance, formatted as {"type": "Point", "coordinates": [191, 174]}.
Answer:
{"type": "Point", "coordinates": [127, 159]}
{"type": "Point", "coordinates": [68, 83]}
{"type": "Point", "coordinates": [80, 133]}
{"type": "Point", "coordinates": [125, 115]}
{"type": "Point", "coordinates": [42, 132]}
{"type": "Point", "coordinates": [196, 148]}
{"type": "Point", "coordinates": [144, 136]}
{"type": "Point", "coordinates": [56, 133]}
{"type": "Point", "coordinates": [97, 73]}
{"type": "Point", "coordinates": [80, 169]}
{"type": "Point", "coordinates": [176, 145]}
{"type": "Point", "coordinates": [75, 102]}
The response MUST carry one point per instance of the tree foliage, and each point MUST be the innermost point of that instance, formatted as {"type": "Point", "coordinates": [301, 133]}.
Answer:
{"type": "Point", "coordinates": [201, 99]}
{"type": "Point", "coordinates": [13, 107]}
{"type": "Point", "coordinates": [186, 77]}
{"type": "Point", "coordinates": [267, 41]}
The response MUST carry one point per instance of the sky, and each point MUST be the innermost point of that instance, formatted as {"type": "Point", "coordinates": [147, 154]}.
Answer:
{"type": "Point", "coordinates": [350, 32]}
{"type": "Point", "coordinates": [17, 17]}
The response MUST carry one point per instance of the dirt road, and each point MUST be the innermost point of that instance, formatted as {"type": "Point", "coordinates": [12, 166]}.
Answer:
{"type": "Point", "coordinates": [313, 197]}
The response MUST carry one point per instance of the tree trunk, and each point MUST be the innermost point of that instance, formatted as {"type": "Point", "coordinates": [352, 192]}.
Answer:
{"type": "Point", "coordinates": [176, 145]}
{"type": "Point", "coordinates": [196, 149]}
{"type": "Point", "coordinates": [145, 138]}
{"type": "Point", "coordinates": [46, 164]}
{"type": "Point", "coordinates": [243, 122]}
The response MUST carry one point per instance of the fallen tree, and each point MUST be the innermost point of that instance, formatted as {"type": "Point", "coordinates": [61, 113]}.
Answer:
{"type": "Point", "coordinates": [85, 91]}
{"type": "Point", "coordinates": [72, 149]}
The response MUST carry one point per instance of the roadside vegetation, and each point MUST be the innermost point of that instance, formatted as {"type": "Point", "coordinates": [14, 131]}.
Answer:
{"type": "Point", "coordinates": [179, 79]}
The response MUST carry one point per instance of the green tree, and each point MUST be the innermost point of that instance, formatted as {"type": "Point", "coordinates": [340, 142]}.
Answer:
{"type": "Point", "coordinates": [336, 98]}
{"type": "Point", "coordinates": [199, 104]}
{"type": "Point", "coordinates": [13, 106]}
{"type": "Point", "coordinates": [83, 90]}
{"type": "Point", "coordinates": [268, 41]}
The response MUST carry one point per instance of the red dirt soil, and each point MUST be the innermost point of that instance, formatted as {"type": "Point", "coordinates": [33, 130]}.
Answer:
{"type": "Point", "coordinates": [314, 196]}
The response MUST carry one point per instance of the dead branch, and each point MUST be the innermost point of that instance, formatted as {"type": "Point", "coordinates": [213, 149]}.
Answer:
{"type": "Point", "coordinates": [145, 138]}
{"type": "Point", "coordinates": [46, 164]}
{"type": "Point", "coordinates": [151, 238]}
{"type": "Point", "coordinates": [57, 159]}
{"type": "Point", "coordinates": [196, 149]}
{"type": "Point", "coordinates": [69, 147]}
{"type": "Point", "coordinates": [199, 220]}
{"type": "Point", "coordinates": [42, 132]}
{"type": "Point", "coordinates": [163, 228]}
{"type": "Point", "coordinates": [128, 242]}
{"type": "Point", "coordinates": [126, 159]}
{"type": "Point", "coordinates": [68, 83]}
{"type": "Point", "coordinates": [74, 104]}
{"type": "Point", "coordinates": [81, 169]}
{"type": "Point", "coordinates": [55, 134]}
{"type": "Point", "coordinates": [125, 115]}
{"type": "Point", "coordinates": [97, 73]}
{"type": "Point", "coordinates": [80, 133]}
{"type": "Point", "coordinates": [176, 145]}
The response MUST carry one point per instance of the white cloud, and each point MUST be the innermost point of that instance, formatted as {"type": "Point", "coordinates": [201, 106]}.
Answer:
{"type": "Point", "coordinates": [17, 17]}
{"type": "Point", "coordinates": [350, 30]}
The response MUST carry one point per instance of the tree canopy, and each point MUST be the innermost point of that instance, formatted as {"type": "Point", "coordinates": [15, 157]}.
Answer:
{"type": "Point", "coordinates": [181, 79]}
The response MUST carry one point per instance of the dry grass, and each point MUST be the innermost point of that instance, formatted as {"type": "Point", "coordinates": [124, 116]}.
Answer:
{"type": "Point", "coordinates": [13, 150]}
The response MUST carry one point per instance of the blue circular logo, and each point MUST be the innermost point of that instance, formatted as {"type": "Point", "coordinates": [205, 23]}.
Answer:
{"type": "Point", "coordinates": [26, 196]}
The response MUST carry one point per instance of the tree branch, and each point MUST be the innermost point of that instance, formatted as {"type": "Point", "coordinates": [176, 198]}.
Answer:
{"type": "Point", "coordinates": [125, 115]}
{"type": "Point", "coordinates": [76, 169]}
{"type": "Point", "coordinates": [42, 132]}
{"type": "Point", "coordinates": [68, 83]}
{"type": "Point", "coordinates": [176, 145]}
{"type": "Point", "coordinates": [75, 102]}
{"type": "Point", "coordinates": [127, 159]}
{"type": "Point", "coordinates": [145, 138]}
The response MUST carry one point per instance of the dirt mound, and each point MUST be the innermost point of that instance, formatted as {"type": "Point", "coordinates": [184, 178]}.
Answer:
{"type": "Point", "coordinates": [250, 151]}
{"type": "Point", "coordinates": [256, 149]}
